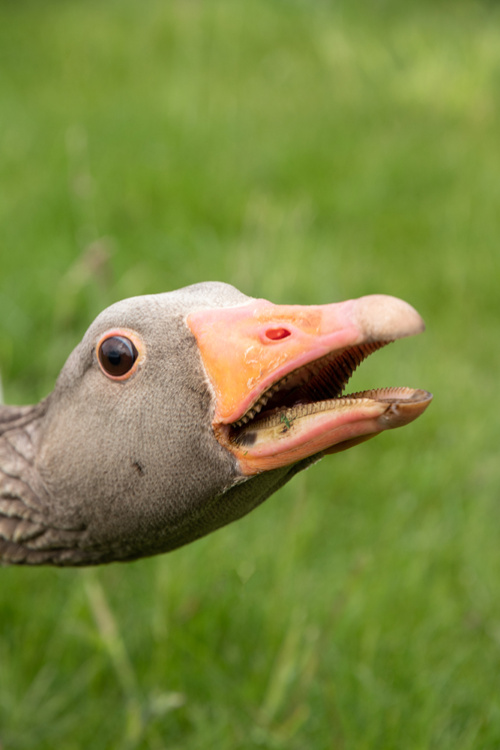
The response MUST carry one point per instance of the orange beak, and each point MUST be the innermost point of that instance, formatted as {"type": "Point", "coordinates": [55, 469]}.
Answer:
{"type": "Point", "coordinates": [277, 374]}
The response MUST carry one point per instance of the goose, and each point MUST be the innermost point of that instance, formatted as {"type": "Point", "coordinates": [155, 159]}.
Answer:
{"type": "Point", "coordinates": [181, 412]}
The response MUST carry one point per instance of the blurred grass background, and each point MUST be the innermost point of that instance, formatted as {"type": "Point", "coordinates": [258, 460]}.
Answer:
{"type": "Point", "coordinates": [305, 151]}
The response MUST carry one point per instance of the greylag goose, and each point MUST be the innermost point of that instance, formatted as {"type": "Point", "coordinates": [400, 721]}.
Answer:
{"type": "Point", "coordinates": [181, 412]}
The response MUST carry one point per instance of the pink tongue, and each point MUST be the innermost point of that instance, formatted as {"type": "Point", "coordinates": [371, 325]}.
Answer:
{"type": "Point", "coordinates": [301, 431]}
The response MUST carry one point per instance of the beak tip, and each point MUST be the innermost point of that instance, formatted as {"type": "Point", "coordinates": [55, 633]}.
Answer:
{"type": "Point", "coordinates": [384, 318]}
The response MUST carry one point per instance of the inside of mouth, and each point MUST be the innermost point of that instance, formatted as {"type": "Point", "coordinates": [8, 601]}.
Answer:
{"type": "Point", "coordinates": [315, 387]}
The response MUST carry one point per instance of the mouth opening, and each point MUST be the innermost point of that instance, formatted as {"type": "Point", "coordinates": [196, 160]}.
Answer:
{"type": "Point", "coordinates": [312, 388]}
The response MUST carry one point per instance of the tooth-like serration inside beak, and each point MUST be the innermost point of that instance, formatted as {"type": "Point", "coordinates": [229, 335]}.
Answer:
{"type": "Point", "coordinates": [397, 406]}
{"type": "Point", "coordinates": [316, 383]}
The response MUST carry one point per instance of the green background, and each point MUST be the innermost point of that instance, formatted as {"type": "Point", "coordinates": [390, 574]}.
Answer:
{"type": "Point", "coordinates": [305, 151]}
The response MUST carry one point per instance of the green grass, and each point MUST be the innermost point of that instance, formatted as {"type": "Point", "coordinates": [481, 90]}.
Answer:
{"type": "Point", "coordinates": [306, 152]}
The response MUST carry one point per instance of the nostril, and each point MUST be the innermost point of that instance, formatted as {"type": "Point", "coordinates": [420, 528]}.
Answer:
{"type": "Point", "coordinates": [277, 333]}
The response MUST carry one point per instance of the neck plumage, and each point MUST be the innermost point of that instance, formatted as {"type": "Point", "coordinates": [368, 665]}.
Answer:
{"type": "Point", "coordinates": [21, 514]}
{"type": "Point", "coordinates": [24, 527]}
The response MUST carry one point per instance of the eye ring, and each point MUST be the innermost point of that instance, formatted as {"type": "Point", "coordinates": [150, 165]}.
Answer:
{"type": "Point", "coordinates": [119, 352]}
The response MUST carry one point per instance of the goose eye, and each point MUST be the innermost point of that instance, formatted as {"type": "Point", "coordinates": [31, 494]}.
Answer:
{"type": "Point", "coordinates": [117, 355]}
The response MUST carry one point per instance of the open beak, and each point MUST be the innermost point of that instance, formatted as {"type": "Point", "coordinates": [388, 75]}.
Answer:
{"type": "Point", "coordinates": [278, 373]}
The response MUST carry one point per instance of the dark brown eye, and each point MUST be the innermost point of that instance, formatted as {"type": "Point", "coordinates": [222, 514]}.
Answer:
{"type": "Point", "coordinates": [117, 355]}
